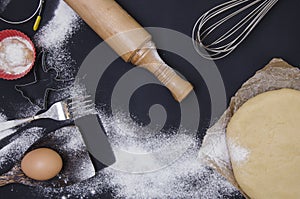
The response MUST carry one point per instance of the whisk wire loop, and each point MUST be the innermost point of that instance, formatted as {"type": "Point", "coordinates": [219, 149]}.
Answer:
{"type": "Point", "coordinates": [209, 23]}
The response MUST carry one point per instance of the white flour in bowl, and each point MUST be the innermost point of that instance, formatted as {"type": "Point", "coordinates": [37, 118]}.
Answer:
{"type": "Point", "coordinates": [16, 55]}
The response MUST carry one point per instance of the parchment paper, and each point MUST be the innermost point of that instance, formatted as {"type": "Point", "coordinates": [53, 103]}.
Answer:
{"type": "Point", "coordinates": [276, 75]}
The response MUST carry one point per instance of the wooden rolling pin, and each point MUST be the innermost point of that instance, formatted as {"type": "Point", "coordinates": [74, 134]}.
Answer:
{"type": "Point", "coordinates": [132, 42]}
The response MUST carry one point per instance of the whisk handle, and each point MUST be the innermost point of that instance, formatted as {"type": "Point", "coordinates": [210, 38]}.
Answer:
{"type": "Point", "coordinates": [126, 36]}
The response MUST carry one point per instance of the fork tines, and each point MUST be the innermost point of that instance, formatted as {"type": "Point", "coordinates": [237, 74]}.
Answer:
{"type": "Point", "coordinates": [81, 106]}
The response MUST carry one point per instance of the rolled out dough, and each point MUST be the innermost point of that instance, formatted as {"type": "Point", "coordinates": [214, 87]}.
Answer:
{"type": "Point", "coordinates": [263, 139]}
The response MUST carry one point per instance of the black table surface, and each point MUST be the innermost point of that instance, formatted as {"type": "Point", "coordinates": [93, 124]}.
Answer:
{"type": "Point", "coordinates": [277, 35]}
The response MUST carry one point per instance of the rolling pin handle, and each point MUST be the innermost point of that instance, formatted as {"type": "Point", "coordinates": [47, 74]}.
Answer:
{"type": "Point", "coordinates": [148, 58]}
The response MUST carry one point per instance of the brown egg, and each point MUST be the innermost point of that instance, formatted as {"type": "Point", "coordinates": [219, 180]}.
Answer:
{"type": "Point", "coordinates": [41, 164]}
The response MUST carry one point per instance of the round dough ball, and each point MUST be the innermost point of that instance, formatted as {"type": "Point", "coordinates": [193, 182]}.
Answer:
{"type": "Point", "coordinates": [263, 139]}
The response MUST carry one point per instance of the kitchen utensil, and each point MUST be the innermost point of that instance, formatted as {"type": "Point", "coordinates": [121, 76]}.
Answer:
{"type": "Point", "coordinates": [46, 80]}
{"type": "Point", "coordinates": [38, 10]}
{"type": "Point", "coordinates": [38, 18]}
{"type": "Point", "coordinates": [8, 34]}
{"type": "Point", "coordinates": [71, 108]}
{"type": "Point", "coordinates": [214, 37]}
{"type": "Point", "coordinates": [95, 139]}
{"type": "Point", "coordinates": [69, 144]}
{"type": "Point", "coordinates": [129, 40]}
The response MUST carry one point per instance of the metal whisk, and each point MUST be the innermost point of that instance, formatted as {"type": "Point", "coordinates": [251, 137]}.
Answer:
{"type": "Point", "coordinates": [213, 35]}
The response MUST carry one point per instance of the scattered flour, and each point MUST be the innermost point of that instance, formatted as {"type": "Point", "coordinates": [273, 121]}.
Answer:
{"type": "Point", "coordinates": [182, 177]}
{"type": "Point", "coordinates": [82, 103]}
{"type": "Point", "coordinates": [19, 145]}
{"type": "Point", "coordinates": [238, 154]}
{"type": "Point", "coordinates": [54, 37]}
{"type": "Point", "coordinates": [73, 140]}
{"type": "Point", "coordinates": [3, 5]}
{"type": "Point", "coordinates": [8, 132]}
{"type": "Point", "coordinates": [69, 143]}
{"type": "Point", "coordinates": [24, 110]}
{"type": "Point", "coordinates": [185, 177]}
{"type": "Point", "coordinates": [214, 146]}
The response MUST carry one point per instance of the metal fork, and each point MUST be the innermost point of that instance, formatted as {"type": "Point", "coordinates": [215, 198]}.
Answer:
{"type": "Point", "coordinates": [68, 109]}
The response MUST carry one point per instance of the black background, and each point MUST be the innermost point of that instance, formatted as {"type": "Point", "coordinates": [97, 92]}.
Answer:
{"type": "Point", "coordinates": [277, 35]}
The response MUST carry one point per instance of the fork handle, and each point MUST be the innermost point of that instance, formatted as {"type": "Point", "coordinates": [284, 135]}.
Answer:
{"type": "Point", "coordinates": [14, 123]}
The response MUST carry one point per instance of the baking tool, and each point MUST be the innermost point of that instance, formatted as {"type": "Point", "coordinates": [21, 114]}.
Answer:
{"type": "Point", "coordinates": [129, 40]}
{"type": "Point", "coordinates": [9, 33]}
{"type": "Point", "coordinates": [37, 11]}
{"type": "Point", "coordinates": [74, 170]}
{"type": "Point", "coordinates": [38, 18]}
{"type": "Point", "coordinates": [46, 80]}
{"type": "Point", "coordinates": [63, 110]}
{"type": "Point", "coordinates": [95, 139]}
{"type": "Point", "coordinates": [215, 38]}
